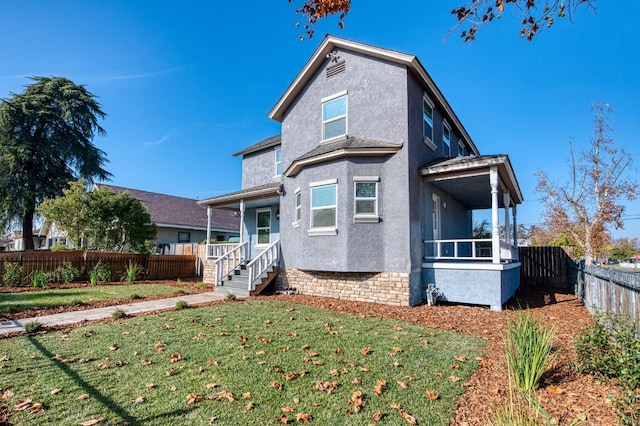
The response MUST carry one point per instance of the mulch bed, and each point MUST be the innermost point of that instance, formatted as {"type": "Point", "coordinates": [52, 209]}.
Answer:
{"type": "Point", "coordinates": [565, 394]}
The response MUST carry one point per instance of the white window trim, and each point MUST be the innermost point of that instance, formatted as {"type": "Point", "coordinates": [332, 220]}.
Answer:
{"type": "Point", "coordinates": [276, 162]}
{"type": "Point", "coordinates": [258, 228]}
{"type": "Point", "coordinates": [326, 230]}
{"type": "Point", "coordinates": [360, 217]}
{"type": "Point", "coordinates": [446, 126]}
{"type": "Point", "coordinates": [428, 141]}
{"type": "Point", "coordinates": [345, 115]}
{"type": "Point", "coordinates": [297, 208]}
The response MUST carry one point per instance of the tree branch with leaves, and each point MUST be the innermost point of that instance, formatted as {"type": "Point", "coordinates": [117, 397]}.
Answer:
{"type": "Point", "coordinates": [590, 202]}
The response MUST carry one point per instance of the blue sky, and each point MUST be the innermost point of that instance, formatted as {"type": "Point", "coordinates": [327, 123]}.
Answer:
{"type": "Point", "coordinates": [186, 86]}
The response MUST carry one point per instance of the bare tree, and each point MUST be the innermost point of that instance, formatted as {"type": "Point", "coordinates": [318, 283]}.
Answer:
{"type": "Point", "coordinates": [588, 204]}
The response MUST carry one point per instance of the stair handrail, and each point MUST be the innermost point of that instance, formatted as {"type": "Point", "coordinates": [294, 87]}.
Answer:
{"type": "Point", "coordinates": [262, 262]}
{"type": "Point", "coordinates": [230, 261]}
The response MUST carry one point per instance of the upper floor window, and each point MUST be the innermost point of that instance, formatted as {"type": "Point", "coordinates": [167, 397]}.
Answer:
{"type": "Point", "coordinates": [427, 120]}
{"type": "Point", "coordinates": [298, 211]}
{"type": "Point", "coordinates": [324, 205]}
{"type": "Point", "coordinates": [278, 161]}
{"type": "Point", "coordinates": [446, 139]}
{"type": "Point", "coordinates": [334, 116]}
{"type": "Point", "coordinates": [461, 152]}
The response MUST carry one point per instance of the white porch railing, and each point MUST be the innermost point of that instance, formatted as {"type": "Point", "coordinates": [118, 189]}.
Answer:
{"type": "Point", "coordinates": [230, 260]}
{"type": "Point", "coordinates": [262, 262]}
{"type": "Point", "coordinates": [467, 249]}
{"type": "Point", "coordinates": [215, 251]}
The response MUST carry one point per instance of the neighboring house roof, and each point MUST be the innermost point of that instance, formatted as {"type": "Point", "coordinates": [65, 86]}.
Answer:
{"type": "Point", "coordinates": [231, 200]}
{"type": "Point", "coordinates": [410, 61]}
{"type": "Point", "coordinates": [267, 143]}
{"type": "Point", "coordinates": [179, 212]}
{"type": "Point", "coordinates": [454, 173]}
{"type": "Point", "coordinates": [345, 147]}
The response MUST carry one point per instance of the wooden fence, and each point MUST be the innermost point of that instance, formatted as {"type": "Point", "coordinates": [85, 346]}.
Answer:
{"type": "Point", "coordinates": [548, 267]}
{"type": "Point", "coordinates": [608, 289]}
{"type": "Point", "coordinates": [156, 267]}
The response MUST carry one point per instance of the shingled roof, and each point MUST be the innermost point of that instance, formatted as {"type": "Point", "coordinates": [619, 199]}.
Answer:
{"type": "Point", "coordinates": [179, 212]}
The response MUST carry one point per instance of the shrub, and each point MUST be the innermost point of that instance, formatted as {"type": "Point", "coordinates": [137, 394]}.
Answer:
{"type": "Point", "coordinates": [13, 274]}
{"type": "Point", "coordinates": [40, 278]}
{"type": "Point", "coordinates": [131, 272]}
{"type": "Point", "coordinates": [230, 297]}
{"type": "Point", "coordinates": [67, 273]}
{"type": "Point", "coordinates": [100, 273]}
{"type": "Point", "coordinates": [135, 296]}
{"type": "Point", "coordinates": [528, 350]}
{"type": "Point", "coordinates": [33, 327]}
{"type": "Point", "coordinates": [181, 304]}
{"type": "Point", "coordinates": [118, 313]}
{"type": "Point", "coordinates": [610, 348]}
{"type": "Point", "coordinates": [59, 246]}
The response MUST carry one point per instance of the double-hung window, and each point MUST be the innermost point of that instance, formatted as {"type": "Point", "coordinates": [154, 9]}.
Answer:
{"type": "Point", "coordinates": [461, 152]}
{"type": "Point", "coordinates": [263, 226]}
{"type": "Point", "coordinates": [365, 199]}
{"type": "Point", "coordinates": [324, 205]}
{"type": "Point", "coordinates": [184, 237]}
{"type": "Point", "coordinates": [334, 116]}
{"type": "Point", "coordinates": [446, 139]}
{"type": "Point", "coordinates": [278, 162]}
{"type": "Point", "coordinates": [298, 209]}
{"type": "Point", "coordinates": [427, 121]}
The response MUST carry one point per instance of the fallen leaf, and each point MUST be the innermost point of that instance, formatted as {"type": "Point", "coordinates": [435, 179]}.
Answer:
{"type": "Point", "coordinates": [6, 394]}
{"type": "Point", "coordinates": [146, 362]}
{"type": "Point", "coordinates": [283, 419]}
{"type": "Point", "coordinates": [83, 396]}
{"type": "Point", "coordinates": [364, 369]}
{"type": "Point", "coordinates": [249, 406]}
{"type": "Point", "coordinates": [261, 353]}
{"type": "Point", "coordinates": [150, 385]}
{"type": "Point", "coordinates": [410, 378]}
{"type": "Point", "coordinates": [290, 376]}
{"type": "Point", "coordinates": [461, 358]}
{"type": "Point", "coordinates": [192, 398]}
{"type": "Point", "coordinates": [210, 385]}
{"type": "Point", "coordinates": [408, 417]}
{"type": "Point", "coordinates": [356, 381]}
{"type": "Point", "coordinates": [402, 384]}
{"type": "Point", "coordinates": [276, 385]}
{"type": "Point", "coordinates": [318, 362]}
{"type": "Point", "coordinates": [327, 387]}
{"type": "Point", "coordinates": [555, 390]}
{"type": "Point", "coordinates": [339, 351]}
{"type": "Point", "coordinates": [159, 347]}
{"type": "Point", "coordinates": [311, 354]}
{"type": "Point", "coordinates": [366, 351]}
{"type": "Point", "coordinates": [225, 394]}
{"type": "Point", "coordinates": [397, 349]}
{"type": "Point", "coordinates": [55, 391]}
{"type": "Point", "coordinates": [379, 387]}
{"type": "Point", "coordinates": [246, 395]}
{"type": "Point", "coordinates": [213, 419]}
{"type": "Point", "coordinates": [303, 417]}
{"type": "Point", "coordinates": [296, 400]}
{"type": "Point", "coordinates": [4, 358]}
{"type": "Point", "coordinates": [357, 401]}
{"type": "Point", "coordinates": [113, 347]}
{"type": "Point", "coordinates": [212, 362]}
{"type": "Point", "coordinates": [92, 422]}
{"type": "Point", "coordinates": [334, 373]}
{"type": "Point", "coordinates": [36, 408]}
{"type": "Point", "coordinates": [377, 416]}
{"type": "Point", "coordinates": [175, 357]}
{"type": "Point", "coordinates": [22, 405]}
{"type": "Point", "coordinates": [139, 399]}
{"type": "Point", "coordinates": [397, 327]}
{"type": "Point", "coordinates": [166, 373]}
{"type": "Point", "coordinates": [432, 395]}
{"type": "Point", "coordinates": [454, 379]}
{"type": "Point", "coordinates": [288, 409]}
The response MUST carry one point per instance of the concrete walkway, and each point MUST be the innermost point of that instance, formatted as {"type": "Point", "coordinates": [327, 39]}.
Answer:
{"type": "Point", "coordinates": [100, 313]}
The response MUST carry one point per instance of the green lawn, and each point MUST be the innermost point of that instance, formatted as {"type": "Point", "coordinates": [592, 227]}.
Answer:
{"type": "Point", "coordinates": [237, 363]}
{"type": "Point", "coordinates": [15, 302]}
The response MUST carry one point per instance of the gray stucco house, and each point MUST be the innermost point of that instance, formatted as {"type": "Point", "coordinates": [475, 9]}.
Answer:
{"type": "Point", "coordinates": [369, 191]}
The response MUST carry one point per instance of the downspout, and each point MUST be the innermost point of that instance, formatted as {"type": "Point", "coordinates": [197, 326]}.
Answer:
{"type": "Point", "coordinates": [208, 231]}
{"type": "Point", "coordinates": [495, 226]}
{"type": "Point", "coordinates": [242, 225]}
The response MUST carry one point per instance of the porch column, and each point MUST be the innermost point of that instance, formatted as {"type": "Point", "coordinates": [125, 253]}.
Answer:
{"type": "Point", "coordinates": [515, 228]}
{"type": "Point", "coordinates": [208, 231]}
{"type": "Point", "coordinates": [242, 222]}
{"type": "Point", "coordinates": [507, 204]}
{"type": "Point", "coordinates": [495, 225]}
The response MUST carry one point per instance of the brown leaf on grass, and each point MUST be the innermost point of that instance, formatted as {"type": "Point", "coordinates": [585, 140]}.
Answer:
{"type": "Point", "coordinates": [139, 399]}
{"type": "Point", "coordinates": [88, 333]}
{"type": "Point", "coordinates": [36, 408]}
{"type": "Point", "coordinates": [397, 327]}
{"type": "Point", "coordinates": [327, 387]}
{"type": "Point", "coordinates": [192, 398]}
{"type": "Point", "coordinates": [7, 393]}
{"type": "Point", "coordinates": [377, 416]}
{"type": "Point", "coordinates": [83, 396]}
{"type": "Point", "coordinates": [409, 378]}
{"type": "Point", "coordinates": [292, 334]}
{"type": "Point", "coordinates": [432, 395]}
{"type": "Point", "coordinates": [305, 347]}
{"type": "Point", "coordinates": [364, 369]}
{"type": "Point", "coordinates": [22, 405]}
{"type": "Point", "coordinates": [199, 336]}
{"type": "Point", "coordinates": [261, 353]}
{"type": "Point", "coordinates": [379, 387]}
{"type": "Point", "coordinates": [397, 349]}
{"type": "Point", "coordinates": [334, 373]}
{"type": "Point", "coordinates": [288, 409]}
{"type": "Point", "coordinates": [460, 358]}
{"type": "Point", "coordinates": [291, 376]}
{"type": "Point", "coordinates": [366, 351]}
{"type": "Point", "coordinates": [402, 384]}
{"type": "Point", "coordinates": [225, 394]}
{"type": "Point", "coordinates": [311, 354]}
{"type": "Point", "coordinates": [339, 351]}
{"type": "Point", "coordinates": [175, 357]}
{"type": "Point", "coordinates": [249, 406]}
{"type": "Point", "coordinates": [103, 366]}
{"type": "Point", "coordinates": [357, 401]}
{"type": "Point", "coordinates": [168, 372]}
{"type": "Point", "coordinates": [55, 391]}
{"type": "Point", "coordinates": [151, 385]}
{"type": "Point", "coordinates": [283, 419]}
{"type": "Point", "coordinates": [146, 362]}
{"type": "Point", "coordinates": [296, 400]}
{"type": "Point", "coordinates": [92, 421]}
{"type": "Point", "coordinates": [212, 361]}
{"type": "Point", "coordinates": [408, 417]}
{"type": "Point", "coordinates": [356, 381]}
{"type": "Point", "coordinates": [318, 362]}
{"type": "Point", "coordinates": [455, 366]}
{"type": "Point", "coordinates": [113, 347]}
{"type": "Point", "coordinates": [454, 379]}
{"type": "Point", "coordinates": [304, 417]}
{"type": "Point", "coordinates": [276, 385]}
{"type": "Point", "coordinates": [121, 363]}
{"type": "Point", "coordinates": [213, 419]}
{"type": "Point", "coordinates": [246, 395]}
{"type": "Point", "coordinates": [159, 347]}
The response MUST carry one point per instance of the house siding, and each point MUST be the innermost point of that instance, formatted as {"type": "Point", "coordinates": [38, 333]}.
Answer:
{"type": "Point", "coordinates": [259, 168]}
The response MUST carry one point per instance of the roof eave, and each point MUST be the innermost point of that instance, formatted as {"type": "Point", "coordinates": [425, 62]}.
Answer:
{"type": "Point", "coordinates": [298, 165]}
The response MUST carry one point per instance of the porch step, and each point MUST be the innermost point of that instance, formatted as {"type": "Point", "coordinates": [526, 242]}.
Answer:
{"type": "Point", "coordinates": [237, 282]}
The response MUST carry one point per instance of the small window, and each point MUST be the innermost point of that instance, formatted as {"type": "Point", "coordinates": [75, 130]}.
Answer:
{"type": "Point", "coordinates": [427, 119]}
{"type": "Point", "coordinates": [334, 117]}
{"type": "Point", "coordinates": [184, 237]}
{"type": "Point", "coordinates": [446, 140]}
{"type": "Point", "coordinates": [220, 238]}
{"type": "Point", "coordinates": [263, 226]}
{"type": "Point", "coordinates": [324, 206]}
{"type": "Point", "coordinates": [278, 162]}
{"type": "Point", "coordinates": [365, 199]}
{"type": "Point", "coordinates": [298, 210]}
{"type": "Point", "coordinates": [461, 152]}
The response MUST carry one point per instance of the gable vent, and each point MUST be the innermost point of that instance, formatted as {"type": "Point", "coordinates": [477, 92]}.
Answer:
{"type": "Point", "coordinates": [335, 70]}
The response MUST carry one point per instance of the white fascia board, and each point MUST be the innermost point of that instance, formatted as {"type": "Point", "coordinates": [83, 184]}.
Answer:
{"type": "Point", "coordinates": [296, 166]}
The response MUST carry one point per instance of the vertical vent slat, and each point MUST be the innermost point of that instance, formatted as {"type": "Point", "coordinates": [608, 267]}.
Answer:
{"type": "Point", "coordinates": [335, 70]}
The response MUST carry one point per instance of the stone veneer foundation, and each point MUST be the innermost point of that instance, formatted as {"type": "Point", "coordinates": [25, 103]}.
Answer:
{"type": "Point", "coordinates": [391, 288]}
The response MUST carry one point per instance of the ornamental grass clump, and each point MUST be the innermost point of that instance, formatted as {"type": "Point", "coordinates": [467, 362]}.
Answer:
{"type": "Point", "coordinates": [529, 347]}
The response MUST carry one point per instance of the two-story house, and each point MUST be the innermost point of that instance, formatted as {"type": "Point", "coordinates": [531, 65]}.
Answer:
{"type": "Point", "coordinates": [368, 193]}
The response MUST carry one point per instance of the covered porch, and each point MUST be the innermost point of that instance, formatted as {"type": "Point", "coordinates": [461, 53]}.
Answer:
{"type": "Point", "coordinates": [247, 267]}
{"type": "Point", "coordinates": [459, 266]}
